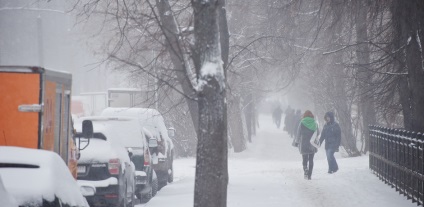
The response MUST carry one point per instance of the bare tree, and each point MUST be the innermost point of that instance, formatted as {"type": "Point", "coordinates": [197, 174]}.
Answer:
{"type": "Point", "coordinates": [408, 19]}
{"type": "Point", "coordinates": [211, 176]}
{"type": "Point", "coordinates": [366, 100]}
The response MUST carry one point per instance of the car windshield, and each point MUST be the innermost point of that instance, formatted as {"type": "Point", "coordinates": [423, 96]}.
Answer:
{"type": "Point", "coordinates": [126, 132]}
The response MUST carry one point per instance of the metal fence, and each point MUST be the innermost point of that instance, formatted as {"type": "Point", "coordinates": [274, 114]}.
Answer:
{"type": "Point", "coordinates": [396, 157]}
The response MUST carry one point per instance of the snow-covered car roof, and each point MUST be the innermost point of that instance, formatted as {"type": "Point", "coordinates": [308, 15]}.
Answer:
{"type": "Point", "coordinates": [125, 130]}
{"type": "Point", "coordinates": [148, 118]}
{"type": "Point", "coordinates": [147, 132]}
{"type": "Point", "coordinates": [31, 175]}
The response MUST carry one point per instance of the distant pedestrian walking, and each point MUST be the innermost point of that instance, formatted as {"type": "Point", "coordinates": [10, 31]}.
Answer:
{"type": "Point", "coordinates": [297, 116]}
{"type": "Point", "coordinates": [276, 115]}
{"type": "Point", "coordinates": [307, 128]}
{"type": "Point", "coordinates": [287, 120]}
{"type": "Point", "coordinates": [332, 135]}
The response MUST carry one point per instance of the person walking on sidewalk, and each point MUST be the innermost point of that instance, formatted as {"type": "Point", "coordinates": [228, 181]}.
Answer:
{"type": "Point", "coordinates": [332, 135]}
{"type": "Point", "coordinates": [276, 114]}
{"type": "Point", "coordinates": [307, 128]}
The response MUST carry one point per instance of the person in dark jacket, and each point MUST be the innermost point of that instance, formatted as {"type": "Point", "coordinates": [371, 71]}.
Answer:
{"type": "Point", "coordinates": [332, 135]}
{"type": "Point", "coordinates": [296, 121]}
{"type": "Point", "coordinates": [287, 120]}
{"type": "Point", "coordinates": [276, 114]}
{"type": "Point", "coordinates": [308, 126]}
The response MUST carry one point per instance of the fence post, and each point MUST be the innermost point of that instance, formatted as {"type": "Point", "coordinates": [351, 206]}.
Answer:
{"type": "Point", "coordinates": [379, 153]}
{"type": "Point", "coordinates": [396, 159]}
{"type": "Point", "coordinates": [386, 137]}
{"type": "Point", "coordinates": [402, 162]}
{"type": "Point", "coordinates": [371, 144]}
{"type": "Point", "coordinates": [409, 146]}
{"type": "Point", "coordinates": [391, 155]}
{"type": "Point", "coordinates": [413, 182]}
{"type": "Point", "coordinates": [420, 137]}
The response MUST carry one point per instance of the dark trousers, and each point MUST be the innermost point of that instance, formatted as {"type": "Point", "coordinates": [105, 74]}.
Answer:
{"type": "Point", "coordinates": [332, 163]}
{"type": "Point", "coordinates": [308, 158]}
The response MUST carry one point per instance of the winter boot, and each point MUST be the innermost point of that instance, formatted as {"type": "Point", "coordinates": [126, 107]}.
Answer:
{"type": "Point", "coordinates": [305, 172]}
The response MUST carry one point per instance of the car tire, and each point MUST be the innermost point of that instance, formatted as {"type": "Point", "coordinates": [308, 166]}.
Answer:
{"type": "Point", "coordinates": [162, 183]}
{"type": "Point", "coordinates": [155, 184]}
{"type": "Point", "coordinates": [138, 195]}
{"type": "Point", "coordinates": [146, 197]}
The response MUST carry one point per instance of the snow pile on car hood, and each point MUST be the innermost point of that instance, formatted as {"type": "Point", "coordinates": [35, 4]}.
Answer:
{"type": "Point", "coordinates": [31, 185]}
{"type": "Point", "coordinates": [98, 151]}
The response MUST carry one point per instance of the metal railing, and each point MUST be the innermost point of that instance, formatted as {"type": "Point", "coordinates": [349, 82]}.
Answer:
{"type": "Point", "coordinates": [396, 157]}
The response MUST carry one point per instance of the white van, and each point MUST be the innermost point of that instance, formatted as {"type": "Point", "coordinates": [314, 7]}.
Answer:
{"type": "Point", "coordinates": [161, 145]}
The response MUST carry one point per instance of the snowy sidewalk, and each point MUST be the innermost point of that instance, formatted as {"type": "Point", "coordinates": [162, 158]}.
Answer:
{"type": "Point", "coordinates": [270, 174]}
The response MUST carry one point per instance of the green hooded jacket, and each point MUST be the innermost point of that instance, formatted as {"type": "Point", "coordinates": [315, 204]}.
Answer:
{"type": "Point", "coordinates": [309, 123]}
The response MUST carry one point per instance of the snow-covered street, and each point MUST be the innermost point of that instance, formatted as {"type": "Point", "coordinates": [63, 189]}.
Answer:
{"type": "Point", "coordinates": [270, 174]}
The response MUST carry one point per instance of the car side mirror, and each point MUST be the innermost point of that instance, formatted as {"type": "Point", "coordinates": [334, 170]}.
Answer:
{"type": "Point", "coordinates": [87, 129]}
{"type": "Point", "coordinates": [171, 132]}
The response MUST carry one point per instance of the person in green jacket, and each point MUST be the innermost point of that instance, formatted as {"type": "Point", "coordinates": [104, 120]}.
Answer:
{"type": "Point", "coordinates": [307, 127]}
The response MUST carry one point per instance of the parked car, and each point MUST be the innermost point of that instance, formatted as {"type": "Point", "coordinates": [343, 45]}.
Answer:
{"type": "Point", "coordinates": [105, 163]}
{"type": "Point", "coordinates": [153, 121]}
{"type": "Point", "coordinates": [36, 177]}
{"type": "Point", "coordinates": [132, 137]}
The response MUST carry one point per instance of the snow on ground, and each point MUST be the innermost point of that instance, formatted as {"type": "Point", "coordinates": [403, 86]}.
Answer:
{"type": "Point", "coordinates": [270, 174]}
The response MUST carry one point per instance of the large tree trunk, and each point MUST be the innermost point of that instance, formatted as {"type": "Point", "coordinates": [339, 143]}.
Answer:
{"type": "Point", "coordinates": [412, 17]}
{"type": "Point", "coordinates": [224, 38]}
{"type": "Point", "coordinates": [211, 170]}
{"type": "Point", "coordinates": [340, 99]}
{"type": "Point", "coordinates": [171, 32]}
{"type": "Point", "coordinates": [367, 105]}
{"type": "Point", "coordinates": [408, 17]}
{"type": "Point", "coordinates": [236, 124]}
{"type": "Point", "coordinates": [400, 64]}
{"type": "Point", "coordinates": [249, 114]}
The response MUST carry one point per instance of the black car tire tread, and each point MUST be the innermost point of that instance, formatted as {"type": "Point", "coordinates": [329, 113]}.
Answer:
{"type": "Point", "coordinates": [155, 184]}
{"type": "Point", "coordinates": [146, 197]}
{"type": "Point", "coordinates": [162, 183]}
